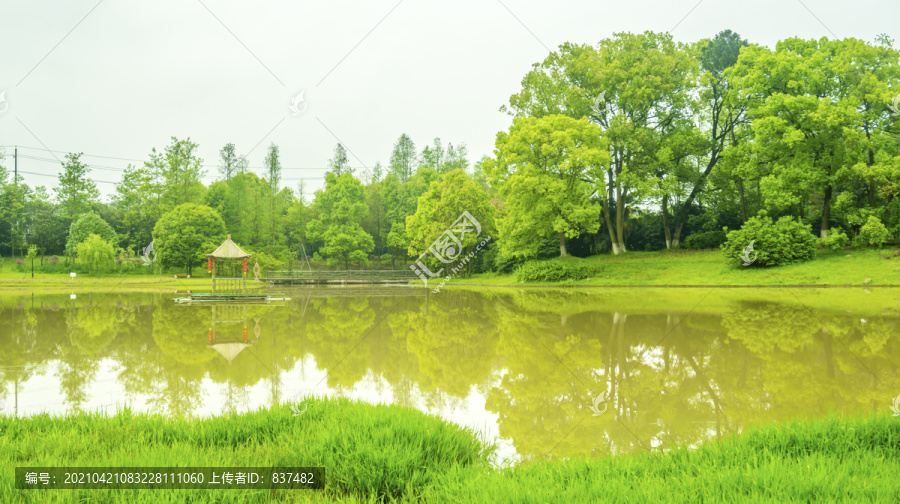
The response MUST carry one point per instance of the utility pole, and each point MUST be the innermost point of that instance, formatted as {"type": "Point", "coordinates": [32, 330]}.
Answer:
{"type": "Point", "coordinates": [16, 182]}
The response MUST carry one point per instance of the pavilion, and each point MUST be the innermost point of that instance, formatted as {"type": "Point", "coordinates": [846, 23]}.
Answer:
{"type": "Point", "coordinates": [228, 265]}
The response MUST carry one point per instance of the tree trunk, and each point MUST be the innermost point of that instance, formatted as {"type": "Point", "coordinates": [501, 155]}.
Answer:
{"type": "Point", "coordinates": [562, 245]}
{"type": "Point", "coordinates": [740, 182]}
{"type": "Point", "coordinates": [609, 226]}
{"type": "Point", "coordinates": [683, 213]}
{"type": "Point", "coordinates": [826, 212]}
{"type": "Point", "coordinates": [871, 192]}
{"type": "Point", "coordinates": [620, 220]}
{"type": "Point", "coordinates": [665, 216]}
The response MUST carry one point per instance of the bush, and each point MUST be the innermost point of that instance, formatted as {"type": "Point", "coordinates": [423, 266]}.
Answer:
{"type": "Point", "coordinates": [873, 232]}
{"type": "Point", "coordinates": [705, 240]}
{"type": "Point", "coordinates": [266, 261]}
{"type": "Point", "coordinates": [555, 270]}
{"type": "Point", "coordinates": [836, 240]}
{"type": "Point", "coordinates": [783, 242]}
{"type": "Point", "coordinates": [86, 225]}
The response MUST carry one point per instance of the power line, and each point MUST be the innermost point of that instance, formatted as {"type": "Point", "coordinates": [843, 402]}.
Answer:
{"type": "Point", "coordinates": [205, 165]}
{"type": "Point", "coordinates": [54, 176]}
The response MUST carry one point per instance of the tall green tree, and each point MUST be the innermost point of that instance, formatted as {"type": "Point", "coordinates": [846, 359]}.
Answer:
{"type": "Point", "coordinates": [433, 156]}
{"type": "Point", "coordinates": [230, 162]}
{"type": "Point", "coordinates": [807, 120]}
{"type": "Point", "coordinates": [720, 112]}
{"type": "Point", "coordinates": [75, 191]}
{"type": "Point", "coordinates": [441, 206]}
{"type": "Point", "coordinates": [403, 158]}
{"type": "Point", "coordinates": [339, 162]}
{"type": "Point", "coordinates": [179, 169]}
{"type": "Point", "coordinates": [339, 210]}
{"type": "Point", "coordinates": [457, 158]}
{"type": "Point", "coordinates": [273, 172]}
{"type": "Point", "coordinates": [546, 169]}
{"type": "Point", "coordinates": [44, 227]}
{"type": "Point", "coordinates": [185, 234]}
{"type": "Point", "coordinates": [635, 87]}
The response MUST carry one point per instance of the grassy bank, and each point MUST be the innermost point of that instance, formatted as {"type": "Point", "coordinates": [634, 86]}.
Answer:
{"type": "Point", "coordinates": [664, 268]}
{"type": "Point", "coordinates": [708, 267]}
{"type": "Point", "coordinates": [388, 453]}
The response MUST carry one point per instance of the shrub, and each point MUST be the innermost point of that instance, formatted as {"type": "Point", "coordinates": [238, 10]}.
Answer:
{"type": "Point", "coordinates": [836, 240]}
{"type": "Point", "coordinates": [774, 243]}
{"type": "Point", "coordinates": [873, 232]}
{"type": "Point", "coordinates": [266, 261]}
{"type": "Point", "coordinates": [86, 225]}
{"type": "Point", "coordinates": [94, 251]}
{"type": "Point", "coordinates": [555, 270]}
{"type": "Point", "coordinates": [316, 258]}
{"type": "Point", "coordinates": [705, 240]}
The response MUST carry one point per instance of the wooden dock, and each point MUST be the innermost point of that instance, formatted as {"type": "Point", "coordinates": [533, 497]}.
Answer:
{"type": "Point", "coordinates": [225, 298]}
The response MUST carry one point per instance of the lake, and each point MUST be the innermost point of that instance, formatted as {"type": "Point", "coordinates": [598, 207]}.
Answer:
{"type": "Point", "coordinates": [545, 373]}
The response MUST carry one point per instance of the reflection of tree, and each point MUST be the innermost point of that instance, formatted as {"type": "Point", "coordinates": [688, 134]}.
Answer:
{"type": "Point", "coordinates": [670, 376]}
{"type": "Point", "coordinates": [181, 332]}
{"type": "Point", "coordinates": [454, 341]}
{"type": "Point", "coordinates": [25, 326]}
{"type": "Point", "coordinates": [550, 363]}
{"type": "Point", "coordinates": [91, 328]}
{"type": "Point", "coordinates": [337, 333]}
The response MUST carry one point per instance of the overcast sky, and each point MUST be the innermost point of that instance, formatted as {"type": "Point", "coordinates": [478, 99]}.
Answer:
{"type": "Point", "coordinates": [116, 78]}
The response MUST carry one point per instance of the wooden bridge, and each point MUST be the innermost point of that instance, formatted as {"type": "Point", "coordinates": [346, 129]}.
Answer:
{"type": "Point", "coordinates": [341, 277]}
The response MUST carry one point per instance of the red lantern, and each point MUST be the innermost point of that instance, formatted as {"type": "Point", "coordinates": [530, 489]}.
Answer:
{"type": "Point", "coordinates": [245, 265]}
{"type": "Point", "coordinates": [209, 264]}
{"type": "Point", "coordinates": [210, 336]}
{"type": "Point", "coordinates": [245, 334]}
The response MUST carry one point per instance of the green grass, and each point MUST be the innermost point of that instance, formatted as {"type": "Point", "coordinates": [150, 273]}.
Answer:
{"type": "Point", "coordinates": [367, 451]}
{"type": "Point", "coordinates": [708, 267]}
{"type": "Point", "coordinates": [664, 268]}
{"type": "Point", "coordinates": [389, 453]}
{"type": "Point", "coordinates": [140, 280]}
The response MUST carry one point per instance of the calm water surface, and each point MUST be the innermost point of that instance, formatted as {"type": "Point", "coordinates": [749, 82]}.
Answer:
{"type": "Point", "coordinates": [546, 374]}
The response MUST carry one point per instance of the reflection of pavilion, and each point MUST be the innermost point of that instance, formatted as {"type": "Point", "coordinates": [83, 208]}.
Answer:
{"type": "Point", "coordinates": [228, 344]}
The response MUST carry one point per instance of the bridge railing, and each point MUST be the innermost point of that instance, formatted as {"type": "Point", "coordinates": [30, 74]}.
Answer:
{"type": "Point", "coordinates": [343, 275]}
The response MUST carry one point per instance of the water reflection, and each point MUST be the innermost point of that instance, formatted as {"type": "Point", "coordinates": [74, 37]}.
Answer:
{"type": "Point", "coordinates": [673, 370]}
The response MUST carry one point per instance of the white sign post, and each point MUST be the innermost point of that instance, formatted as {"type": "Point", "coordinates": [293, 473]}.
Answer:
{"type": "Point", "coordinates": [72, 274]}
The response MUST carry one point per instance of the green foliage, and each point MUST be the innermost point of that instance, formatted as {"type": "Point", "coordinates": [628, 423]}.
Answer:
{"type": "Point", "coordinates": [94, 251]}
{"type": "Point", "coordinates": [705, 240]}
{"type": "Point", "coordinates": [266, 261]}
{"type": "Point", "coordinates": [873, 232]}
{"type": "Point", "coordinates": [86, 225]}
{"type": "Point", "coordinates": [340, 209]}
{"type": "Point", "coordinates": [440, 207]}
{"type": "Point", "coordinates": [774, 243]}
{"type": "Point", "coordinates": [541, 167]}
{"type": "Point", "coordinates": [75, 191]}
{"type": "Point", "coordinates": [556, 270]}
{"type": "Point", "coordinates": [836, 240]}
{"type": "Point", "coordinates": [359, 258]}
{"type": "Point", "coordinates": [186, 234]}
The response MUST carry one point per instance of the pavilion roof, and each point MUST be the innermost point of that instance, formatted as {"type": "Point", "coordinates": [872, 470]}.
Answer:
{"type": "Point", "coordinates": [229, 250]}
{"type": "Point", "coordinates": [229, 350]}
